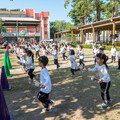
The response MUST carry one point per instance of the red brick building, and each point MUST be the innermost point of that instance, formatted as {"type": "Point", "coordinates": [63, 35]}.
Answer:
{"type": "Point", "coordinates": [25, 24]}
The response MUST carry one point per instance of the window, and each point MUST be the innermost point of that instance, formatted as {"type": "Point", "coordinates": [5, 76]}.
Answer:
{"type": "Point", "coordinates": [46, 32]}
{"type": "Point", "coordinates": [38, 18]}
{"type": "Point", "coordinates": [45, 18]}
{"type": "Point", "coordinates": [45, 25]}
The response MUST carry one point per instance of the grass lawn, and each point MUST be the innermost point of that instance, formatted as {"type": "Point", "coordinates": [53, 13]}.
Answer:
{"type": "Point", "coordinates": [76, 98]}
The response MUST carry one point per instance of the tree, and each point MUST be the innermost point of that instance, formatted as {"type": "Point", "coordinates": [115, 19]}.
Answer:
{"type": "Point", "coordinates": [112, 8]}
{"type": "Point", "coordinates": [80, 10]}
{"type": "Point", "coordinates": [58, 26]}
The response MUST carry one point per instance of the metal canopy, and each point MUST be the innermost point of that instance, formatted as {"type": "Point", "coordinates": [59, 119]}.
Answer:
{"type": "Point", "coordinates": [13, 21]}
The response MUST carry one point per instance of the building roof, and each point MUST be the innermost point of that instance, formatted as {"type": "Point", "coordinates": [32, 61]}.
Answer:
{"type": "Point", "coordinates": [106, 24]}
{"type": "Point", "coordinates": [19, 19]}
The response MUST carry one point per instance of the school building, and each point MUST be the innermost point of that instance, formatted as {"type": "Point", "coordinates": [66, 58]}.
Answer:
{"type": "Point", "coordinates": [25, 25]}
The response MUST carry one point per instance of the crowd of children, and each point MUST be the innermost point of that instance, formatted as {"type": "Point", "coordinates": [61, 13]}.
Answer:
{"type": "Point", "coordinates": [25, 54]}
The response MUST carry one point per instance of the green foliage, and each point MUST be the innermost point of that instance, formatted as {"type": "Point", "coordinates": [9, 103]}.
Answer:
{"type": "Point", "coordinates": [58, 26]}
{"type": "Point", "coordinates": [87, 46]}
{"type": "Point", "coordinates": [111, 8]}
{"type": "Point", "coordinates": [92, 10]}
{"type": "Point", "coordinates": [104, 46]}
{"type": "Point", "coordinates": [80, 10]}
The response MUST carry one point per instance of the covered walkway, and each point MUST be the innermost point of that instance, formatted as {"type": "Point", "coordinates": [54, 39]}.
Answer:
{"type": "Point", "coordinates": [112, 24]}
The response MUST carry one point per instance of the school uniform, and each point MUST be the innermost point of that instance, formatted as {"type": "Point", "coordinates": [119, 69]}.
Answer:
{"type": "Point", "coordinates": [105, 85]}
{"type": "Point", "coordinates": [30, 67]}
{"type": "Point", "coordinates": [43, 95]}
{"type": "Point", "coordinates": [63, 51]}
{"type": "Point", "coordinates": [96, 51]}
{"type": "Point", "coordinates": [44, 52]}
{"type": "Point", "coordinates": [113, 53]}
{"type": "Point", "coordinates": [74, 66]}
{"type": "Point", "coordinates": [81, 57]}
{"type": "Point", "coordinates": [37, 49]}
{"type": "Point", "coordinates": [68, 50]}
{"type": "Point", "coordinates": [55, 55]}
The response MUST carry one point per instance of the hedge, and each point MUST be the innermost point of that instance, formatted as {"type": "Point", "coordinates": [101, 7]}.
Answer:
{"type": "Point", "coordinates": [104, 46]}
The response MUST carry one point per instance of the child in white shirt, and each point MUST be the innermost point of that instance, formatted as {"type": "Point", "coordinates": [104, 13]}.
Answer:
{"type": "Point", "coordinates": [74, 66]}
{"type": "Point", "coordinates": [37, 49]}
{"type": "Point", "coordinates": [104, 80]}
{"type": "Point", "coordinates": [29, 64]}
{"type": "Point", "coordinates": [95, 51]}
{"type": "Point", "coordinates": [113, 53]}
{"type": "Point", "coordinates": [55, 55]}
{"type": "Point", "coordinates": [44, 51]}
{"type": "Point", "coordinates": [63, 51]}
{"type": "Point", "coordinates": [81, 56]}
{"type": "Point", "coordinates": [45, 85]}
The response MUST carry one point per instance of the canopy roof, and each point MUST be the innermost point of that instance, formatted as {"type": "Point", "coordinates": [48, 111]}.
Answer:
{"type": "Point", "coordinates": [21, 21]}
{"type": "Point", "coordinates": [99, 25]}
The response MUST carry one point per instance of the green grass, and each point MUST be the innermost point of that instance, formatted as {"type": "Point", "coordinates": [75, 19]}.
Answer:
{"type": "Point", "coordinates": [76, 98]}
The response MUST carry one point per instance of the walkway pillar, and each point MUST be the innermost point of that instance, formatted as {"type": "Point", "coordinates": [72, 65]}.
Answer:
{"type": "Point", "coordinates": [113, 32]}
{"type": "Point", "coordinates": [71, 35]}
{"type": "Point", "coordinates": [93, 34]}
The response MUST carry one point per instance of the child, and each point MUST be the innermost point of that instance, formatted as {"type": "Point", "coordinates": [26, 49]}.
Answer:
{"type": "Point", "coordinates": [69, 47]}
{"type": "Point", "coordinates": [96, 51]}
{"type": "Point", "coordinates": [119, 60]}
{"type": "Point", "coordinates": [44, 51]}
{"type": "Point", "coordinates": [104, 80]}
{"type": "Point", "coordinates": [45, 85]}
{"type": "Point", "coordinates": [74, 66]}
{"type": "Point", "coordinates": [113, 53]}
{"type": "Point", "coordinates": [30, 65]}
{"type": "Point", "coordinates": [101, 50]}
{"type": "Point", "coordinates": [37, 49]}
{"type": "Point", "coordinates": [23, 58]}
{"type": "Point", "coordinates": [55, 54]}
{"type": "Point", "coordinates": [81, 56]}
{"type": "Point", "coordinates": [63, 51]}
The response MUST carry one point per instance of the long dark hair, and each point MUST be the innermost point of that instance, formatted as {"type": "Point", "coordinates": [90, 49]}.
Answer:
{"type": "Point", "coordinates": [30, 53]}
{"type": "Point", "coordinates": [103, 57]}
{"type": "Point", "coordinates": [72, 52]}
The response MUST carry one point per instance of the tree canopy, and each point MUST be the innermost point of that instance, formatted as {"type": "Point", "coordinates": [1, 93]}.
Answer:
{"type": "Point", "coordinates": [57, 26]}
{"type": "Point", "coordinates": [92, 10]}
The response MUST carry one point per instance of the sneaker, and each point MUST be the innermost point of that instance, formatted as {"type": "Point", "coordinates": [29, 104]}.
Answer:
{"type": "Point", "coordinates": [110, 101]}
{"type": "Point", "coordinates": [104, 105]}
{"type": "Point", "coordinates": [73, 75]}
{"type": "Point", "coordinates": [45, 110]}
{"type": "Point", "coordinates": [30, 81]}
{"type": "Point", "coordinates": [52, 102]}
{"type": "Point", "coordinates": [36, 76]}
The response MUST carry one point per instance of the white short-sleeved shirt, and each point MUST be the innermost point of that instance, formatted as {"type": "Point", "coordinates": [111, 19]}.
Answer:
{"type": "Point", "coordinates": [29, 63]}
{"type": "Point", "coordinates": [45, 80]}
{"type": "Point", "coordinates": [113, 51]}
{"type": "Point", "coordinates": [73, 62]}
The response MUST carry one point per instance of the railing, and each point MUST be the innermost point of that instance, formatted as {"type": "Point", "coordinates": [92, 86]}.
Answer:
{"type": "Point", "coordinates": [15, 34]}
{"type": "Point", "coordinates": [68, 39]}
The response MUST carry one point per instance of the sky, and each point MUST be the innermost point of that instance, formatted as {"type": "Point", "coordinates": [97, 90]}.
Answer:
{"type": "Point", "coordinates": [55, 7]}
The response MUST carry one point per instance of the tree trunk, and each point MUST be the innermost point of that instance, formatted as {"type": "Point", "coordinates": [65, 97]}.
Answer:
{"type": "Point", "coordinates": [114, 12]}
{"type": "Point", "coordinates": [98, 16]}
{"type": "Point", "coordinates": [82, 20]}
